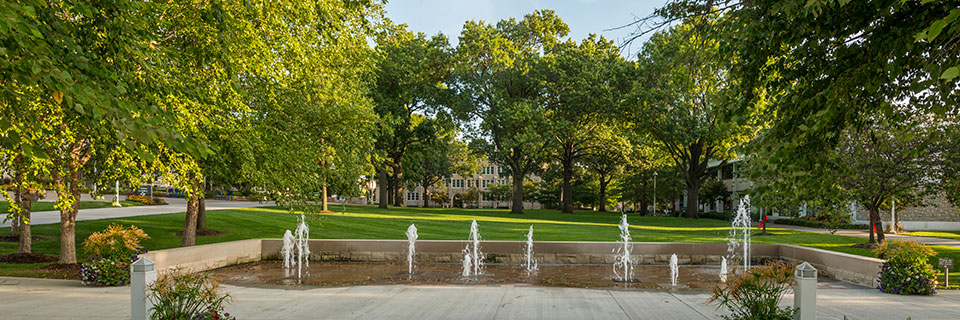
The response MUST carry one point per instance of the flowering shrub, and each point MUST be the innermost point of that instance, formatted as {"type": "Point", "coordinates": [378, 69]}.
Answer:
{"type": "Point", "coordinates": [756, 294]}
{"type": "Point", "coordinates": [110, 253]}
{"type": "Point", "coordinates": [105, 273]}
{"type": "Point", "coordinates": [907, 269]}
{"type": "Point", "coordinates": [146, 200]}
{"type": "Point", "coordinates": [115, 243]}
{"type": "Point", "coordinates": [188, 296]}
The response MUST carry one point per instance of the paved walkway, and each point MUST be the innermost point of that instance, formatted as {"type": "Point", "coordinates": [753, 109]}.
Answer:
{"type": "Point", "coordinates": [174, 205]}
{"type": "Point", "coordinates": [866, 234]}
{"type": "Point", "coordinates": [25, 298]}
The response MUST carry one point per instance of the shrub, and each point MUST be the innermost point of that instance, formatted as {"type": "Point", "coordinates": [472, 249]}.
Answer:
{"type": "Point", "coordinates": [187, 296]}
{"type": "Point", "coordinates": [907, 269]}
{"type": "Point", "coordinates": [815, 223]}
{"type": "Point", "coordinates": [115, 243]}
{"type": "Point", "coordinates": [725, 216]}
{"type": "Point", "coordinates": [110, 253]}
{"type": "Point", "coordinates": [146, 200]}
{"type": "Point", "coordinates": [755, 294]}
{"type": "Point", "coordinates": [105, 273]}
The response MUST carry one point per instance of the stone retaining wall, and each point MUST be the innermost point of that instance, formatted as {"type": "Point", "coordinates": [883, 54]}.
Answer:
{"type": "Point", "coordinates": [846, 267]}
{"type": "Point", "coordinates": [206, 257]}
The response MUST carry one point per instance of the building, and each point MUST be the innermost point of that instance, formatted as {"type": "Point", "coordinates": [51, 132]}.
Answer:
{"type": "Point", "coordinates": [457, 186]}
{"type": "Point", "coordinates": [935, 214]}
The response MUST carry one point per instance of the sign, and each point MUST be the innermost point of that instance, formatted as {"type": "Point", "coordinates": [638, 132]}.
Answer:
{"type": "Point", "coordinates": [946, 263]}
{"type": "Point", "coordinates": [144, 190]}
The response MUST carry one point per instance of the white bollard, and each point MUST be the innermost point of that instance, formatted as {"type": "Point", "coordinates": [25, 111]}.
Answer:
{"type": "Point", "coordinates": [142, 273]}
{"type": "Point", "coordinates": [805, 294]}
{"type": "Point", "coordinates": [116, 199]}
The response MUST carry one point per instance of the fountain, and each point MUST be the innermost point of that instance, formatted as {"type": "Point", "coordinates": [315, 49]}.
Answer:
{"type": "Point", "coordinates": [723, 270]}
{"type": "Point", "coordinates": [623, 265]}
{"type": "Point", "coordinates": [296, 248]}
{"type": "Point", "coordinates": [531, 264]}
{"type": "Point", "coordinates": [472, 257]}
{"type": "Point", "coordinates": [674, 270]}
{"type": "Point", "coordinates": [411, 239]}
{"type": "Point", "coordinates": [288, 251]}
{"type": "Point", "coordinates": [739, 237]}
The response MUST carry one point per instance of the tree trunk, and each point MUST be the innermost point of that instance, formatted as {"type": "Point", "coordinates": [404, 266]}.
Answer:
{"type": "Point", "coordinates": [876, 224]}
{"type": "Point", "coordinates": [189, 237]}
{"type": "Point", "coordinates": [202, 214]}
{"type": "Point", "coordinates": [693, 190]}
{"type": "Point", "coordinates": [398, 198]}
{"type": "Point", "coordinates": [566, 193]}
{"type": "Point", "coordinates": [14, 226]}
{"type": "Point", "coordinates": [25, 243]}
{"type": "Point", "coordinates": [603, 193]}
{"type": "Point", "coordinates": [68, 225]}
{"type": "Point", "coordinates": [426, 194]}
{"type": "Point", "coordinates": [517, 193]}
{"type": "Point", "coordinates": [324, 201]}
{"type": "Point", "coordinates": [384, 189]}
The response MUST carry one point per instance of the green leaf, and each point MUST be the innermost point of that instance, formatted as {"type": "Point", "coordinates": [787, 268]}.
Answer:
{"type": "Point", "coordinates": [951, 73]}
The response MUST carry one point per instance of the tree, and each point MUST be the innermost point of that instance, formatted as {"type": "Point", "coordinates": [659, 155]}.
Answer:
{"type": "Point", "coordinates": [471, 197]}
{"type": "Point", "coordinates": [887, 160]}
{"type": "Point", "coordinates": [608, 162]}
{"type": "Point", "coordinates": [951, 162]}
{"type": "Point", "coordinates": [411, 70]}
{"type": "Point", "coordinates": [682, 103]}
{"type": "Point", "coordinates": [823, 66]}
{"type": "Point", "coordinates": [82, 70]}
{"type": "Point", "coordinates": [714, 190]}
{"type": "Point", "coordinates": [497, 85]}
{"type": "Point", "coordinates": [584, 83]}
{"type": "Point", "coordinates": [436, 160]}
{"type": "Point", "coordinates": [497, 192]}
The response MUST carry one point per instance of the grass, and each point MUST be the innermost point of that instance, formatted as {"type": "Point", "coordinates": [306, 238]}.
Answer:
{"type": "Point", "coordinates": [936, 234]}
{"type": "Point", "coordinates": [359, 222]}
{"type": "Point", "coordinates": [38, 206]}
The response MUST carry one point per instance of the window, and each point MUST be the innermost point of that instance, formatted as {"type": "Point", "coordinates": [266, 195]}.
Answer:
{"type": "Point", "coordinates": [727, 172]}
{"type": "Point", "coordinates": [413, 196]}
{"type": "Point", "coordinates": [487, 183]}
{"type": "Point", "coordinates": [488, 170]}
{"type": "Point", "coordinates": [458, 183]}
{"type": "Point", "coordinates": [500, 170]}
{"type": "Point", "coordinates": [503, 181]}
{"type": "Point", "coordinates": [448, 183]}
{"type": "Point", "coordinates": [469, 183]}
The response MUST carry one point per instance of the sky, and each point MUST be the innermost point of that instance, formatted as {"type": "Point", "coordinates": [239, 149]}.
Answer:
{"type": "Point", "coordinates": [583, 16]}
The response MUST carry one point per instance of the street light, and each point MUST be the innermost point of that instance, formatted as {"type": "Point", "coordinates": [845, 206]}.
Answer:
{"type": "Point", "coordinates": [654, 192]}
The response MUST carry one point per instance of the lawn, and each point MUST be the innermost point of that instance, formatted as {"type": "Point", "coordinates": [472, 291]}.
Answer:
{"type": "Point", "coordinates": [359, 222]}
{"type": "Point", "coordinates": [38, 206]}
{"type": "Point", "coordinates": [937, 234]}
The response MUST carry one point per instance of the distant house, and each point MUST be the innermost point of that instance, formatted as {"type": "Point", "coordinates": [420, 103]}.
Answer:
{"type": "Point", "coordinates": [935, 214]}
{"type": "Point", "coordinates": [457, 186]}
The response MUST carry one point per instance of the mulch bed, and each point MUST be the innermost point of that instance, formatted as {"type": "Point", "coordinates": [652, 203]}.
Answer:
{"type": "Point", "coordinates": [204, 233]}
{"type": "Point", "coordinates": [865, 245]}
{"type": "Point", "coordinates": [27, 258]}
{"type": "Point", "coordinates": [69, 271]}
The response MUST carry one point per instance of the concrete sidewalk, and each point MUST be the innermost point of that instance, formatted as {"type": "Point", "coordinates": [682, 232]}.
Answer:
{"type": "Point", "coordinates": [866, 234]}
{"type": "Point", "coordinates": [174, 205]}
{"type": "Point", "coordinates": [25, 298]}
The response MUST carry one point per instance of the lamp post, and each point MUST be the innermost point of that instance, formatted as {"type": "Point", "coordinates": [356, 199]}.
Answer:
{"type": "Point", "coordinates": [893, 217]}
{"type": "Point", "coordinates": [654, 192]}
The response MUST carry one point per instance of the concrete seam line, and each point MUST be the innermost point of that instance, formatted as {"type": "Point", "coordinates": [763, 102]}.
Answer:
{"type": "Point", "coordinates": [618, 304]}
{"type": "Point", "coordinates": [689, 306]}
{"type": "Point", "coordinates": [500, 304]}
